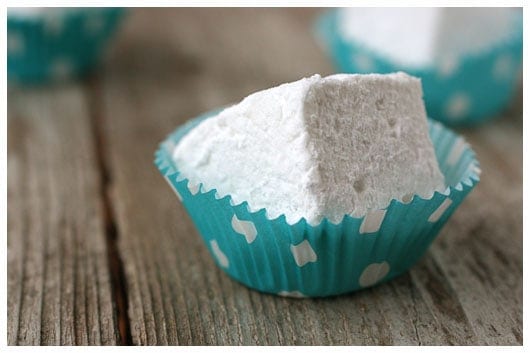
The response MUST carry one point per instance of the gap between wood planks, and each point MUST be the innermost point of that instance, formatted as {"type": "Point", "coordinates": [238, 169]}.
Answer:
{"type": "Point", "coordinates": [116, 269]}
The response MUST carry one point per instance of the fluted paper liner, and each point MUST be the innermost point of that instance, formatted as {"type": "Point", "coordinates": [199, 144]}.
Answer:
{"type": "Point", "coordinates": [458, 91]}
{"type": "Point", "coordinates": [51, 47]}
{"type": "Point", "coordinates": [301, 260]}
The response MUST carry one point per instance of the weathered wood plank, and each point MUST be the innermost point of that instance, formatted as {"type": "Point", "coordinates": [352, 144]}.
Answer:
{"type": "Point", "coordinates": [481, 249]}
{"type": "Point", "coordinates": [59, 289]}
{"type": "Point", "coordinates": [466, 290]}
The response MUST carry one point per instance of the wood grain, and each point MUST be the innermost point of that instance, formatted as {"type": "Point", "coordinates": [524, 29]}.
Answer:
{"type": "Point", "coordinates": [59, 289]}
{"type": "Point", "coordinates": [101, 252]}
{"type": "Point", "coordinates": [467, 290]}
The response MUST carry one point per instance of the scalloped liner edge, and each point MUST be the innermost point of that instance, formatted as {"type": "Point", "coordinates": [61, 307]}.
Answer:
{"type": "Point", "coordinates": [168, 169]}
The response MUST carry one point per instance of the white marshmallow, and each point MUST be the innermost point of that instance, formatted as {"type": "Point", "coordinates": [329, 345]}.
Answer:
{"type": "Point", "coordinates": [318, 147]}
{"type": "Point", "coordinates": [418, 37]}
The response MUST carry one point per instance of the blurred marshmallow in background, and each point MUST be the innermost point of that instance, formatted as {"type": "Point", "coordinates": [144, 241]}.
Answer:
{"type": "Point", "coordinates": [52, 44]}
{"type": "Point", "coordinates": [469, 59]}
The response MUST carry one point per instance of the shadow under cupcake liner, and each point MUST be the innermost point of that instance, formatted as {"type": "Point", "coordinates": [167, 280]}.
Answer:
{"type": "Point", "coordinates": [457, 91]}
{"type": "Point", "coordinates": [301, 260]}
{"type": "Point", "coordinates": [58, 46]}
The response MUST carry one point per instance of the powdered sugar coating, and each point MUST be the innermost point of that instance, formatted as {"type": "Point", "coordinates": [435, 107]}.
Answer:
{"type": "Point", "coordinates": [318, 147]}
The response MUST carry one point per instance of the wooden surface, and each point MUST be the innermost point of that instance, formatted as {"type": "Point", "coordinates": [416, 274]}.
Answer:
{"type": "Point", "coordinates": [58, 273]}
{"type": "Point", "coordinates": [101, 252]}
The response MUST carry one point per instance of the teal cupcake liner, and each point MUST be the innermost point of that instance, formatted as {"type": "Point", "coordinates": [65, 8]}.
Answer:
{"type": "Point", "coordinates": [463, 91]}
{"type": "Point", "coordinates": [301, 260]}
{"type": "Point", "coordinates": [58, 45]}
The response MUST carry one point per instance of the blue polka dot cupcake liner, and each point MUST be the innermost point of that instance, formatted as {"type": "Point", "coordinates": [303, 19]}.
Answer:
{"type": "Point", "coordinates": [463, 91]}
{"type": "Point", "coordinates": [58, 45]}
{"type": "Point", "coordinates": [301, 260]}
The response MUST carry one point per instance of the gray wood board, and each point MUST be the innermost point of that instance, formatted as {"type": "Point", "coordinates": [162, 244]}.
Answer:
{"type": "Point", "coordinates": [59, 288]}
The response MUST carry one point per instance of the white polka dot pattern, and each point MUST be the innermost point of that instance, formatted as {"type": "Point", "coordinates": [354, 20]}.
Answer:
{"type": "Point", "coordinates": [447, 67]}
{"type": "Point", "coordinates": [378, 246]}
{"type": "Point", "coordinates": [372, 221]}
{"type": "Point", "coordinates": [219, 255]}
{"type": "Point", "coordinates": [303, 253]}
{"type": "Point", "coordinates": [245, 228]}
{"type": "Point", "coordinates": [293, 294]}
{"type": "Point", "coordinates": [458, 106]}
{"type": "Point", "coordinates": [437, 214]}
{"type": "Point", "coordinates": [374, 273]}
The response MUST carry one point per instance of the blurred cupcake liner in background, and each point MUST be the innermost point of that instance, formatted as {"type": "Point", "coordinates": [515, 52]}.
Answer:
{"type": "Point", "coordinates": [301, 260]}
{"type": "Point", "coordinates": [53, 44]}
{"type": "Point", "coordinates": [469, 59]}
